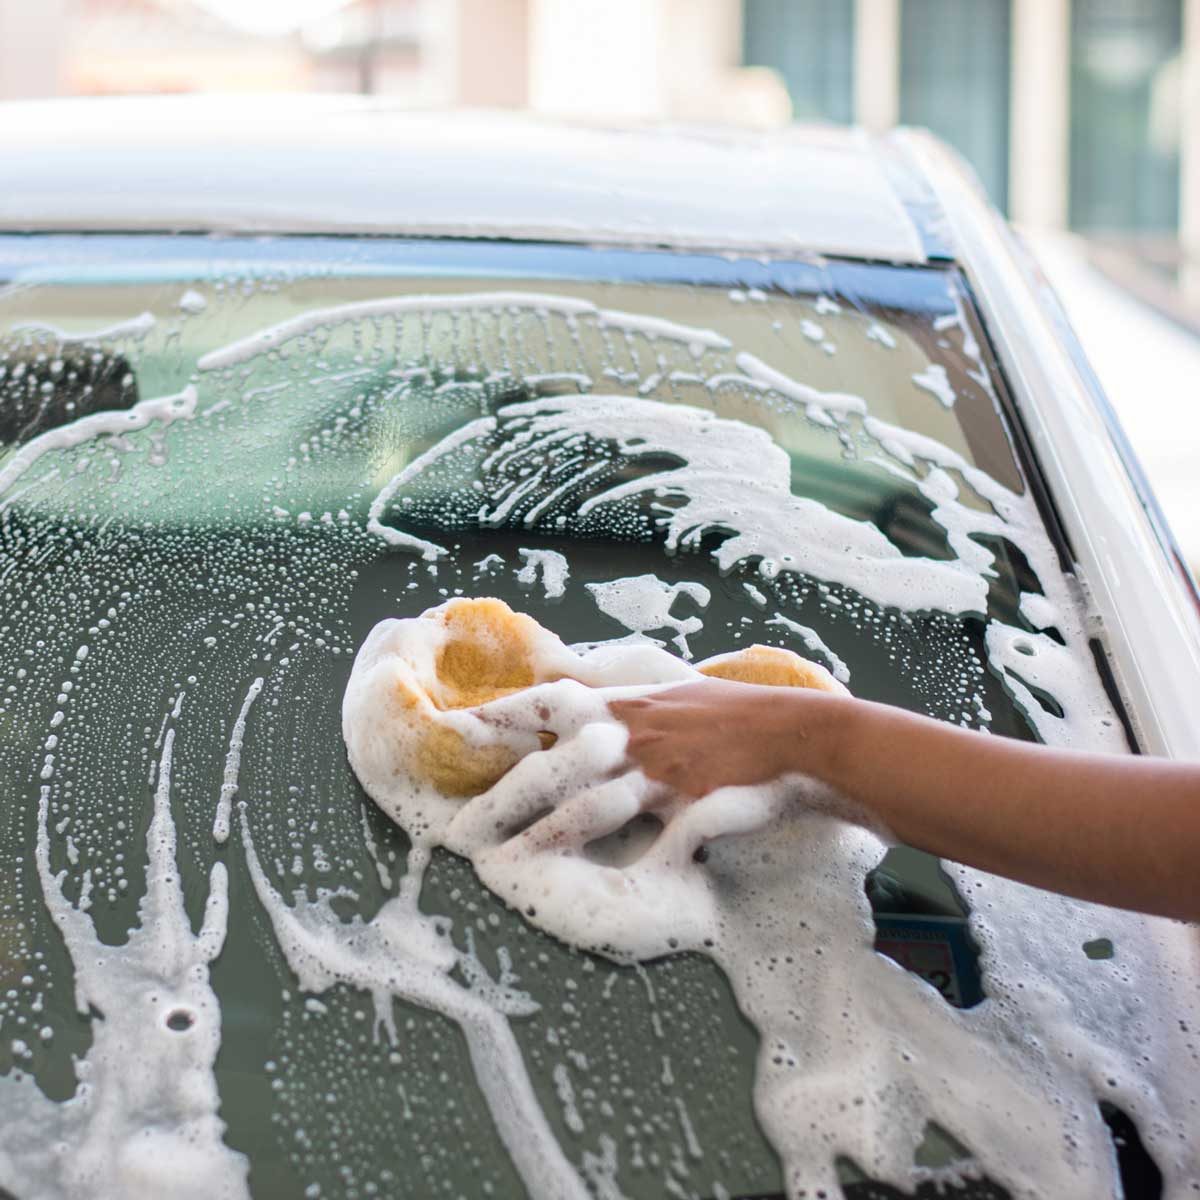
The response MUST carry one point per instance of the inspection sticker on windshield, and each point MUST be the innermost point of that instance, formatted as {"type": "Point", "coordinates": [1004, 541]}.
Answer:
{"type": "Point", "coordinates": [936, 948]}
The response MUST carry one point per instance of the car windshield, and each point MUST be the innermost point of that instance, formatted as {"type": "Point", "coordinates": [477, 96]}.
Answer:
{"type": "Point", "coordinates": [223, 461]}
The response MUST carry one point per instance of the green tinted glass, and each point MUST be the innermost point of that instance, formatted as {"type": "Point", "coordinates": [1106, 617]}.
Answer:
{"type": "Point", "coordinates": [183, 585]}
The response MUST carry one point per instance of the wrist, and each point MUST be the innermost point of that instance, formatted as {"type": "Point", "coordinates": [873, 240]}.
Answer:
{"type": "Point", "coordinates": [851, 734]}
{"type": "Point", "coordinates": [810, 732]}
{"type": "Point", "coordinates": [836, 736]}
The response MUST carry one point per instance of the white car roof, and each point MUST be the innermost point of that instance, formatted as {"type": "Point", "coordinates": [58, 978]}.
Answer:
{"type": "Point", "coordinates": [337, 164]}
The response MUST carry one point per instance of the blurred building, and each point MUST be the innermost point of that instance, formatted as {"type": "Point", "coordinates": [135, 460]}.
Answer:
{"type": "Point", "coordinates": [423, 52]}
{"type": "Point", "coordinates": [1070, 110]}
{"type": "Point", "coordinates": [31, 51]}
{"type": "Point", "coordinates": [117, 47]}
{"type": "Point", "coordinates": [1076, 114]}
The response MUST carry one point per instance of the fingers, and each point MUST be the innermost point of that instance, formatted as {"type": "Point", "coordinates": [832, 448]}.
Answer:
{"type": "Point", "coordinates": [637, 709]}
{"type": "Point", "coordinates": [624, 710]}
{"type": "Point", "coordinates": [659, 734]}
{"type": "Point", "coordinates": [667, 760]}
{"type": "Point", "coordinates": [697, 694]}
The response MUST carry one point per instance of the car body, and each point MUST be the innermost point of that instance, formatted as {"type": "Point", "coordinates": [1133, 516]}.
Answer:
{"type": "Point", "coordinates": [1107, 318]}
{"type": "Point", "coordinates": [276, 371]}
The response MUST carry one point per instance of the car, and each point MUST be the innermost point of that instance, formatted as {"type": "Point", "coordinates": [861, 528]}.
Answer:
{"type": "Point", "coordinates": [274, 372]}
{"type": "Point", "coordinates": [1107, 319]}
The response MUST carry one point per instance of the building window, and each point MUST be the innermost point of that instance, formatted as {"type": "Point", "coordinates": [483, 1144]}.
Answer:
{"type": "Point", "coordinates": [1125, 75]}
{"type": "Point", "coordinates": [811, 44]}
{"type": "Point", "coordinates": [954, 79]}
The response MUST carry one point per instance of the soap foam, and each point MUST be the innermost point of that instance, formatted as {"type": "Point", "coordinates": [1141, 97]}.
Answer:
{"type": "Point", "coordinates": [732, 478]}
{"type": "Point", "coordinates": [594, 794]}
{"type": "Point", "coordinates": [1068, 1030]}
{"type": "Point", "coordinates": [161, 409]}
{"type": "Point", "coordinates": [936, 382]}
{"type": "Point", "coordinates": [812, 641]}
{"type": "Point", "coordinates": [643, 603]}
{"type": "Point", "coordinates": [403, 954]}
{"type": "Point", "coordinates": [552, 567]}
{"type": "Point", "coordinates": [233, 763]}
{"type": "Point", "coordinates": [133, 327]}
{"type": "Point", "coordinates": [143, 1121]}
{"type": "Point", "coordinates": [856, 1054]}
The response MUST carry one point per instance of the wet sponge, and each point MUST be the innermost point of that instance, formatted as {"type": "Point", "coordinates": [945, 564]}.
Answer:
{"type": "Point", "coordinates": [469, 652]}
{"type": "Point", "coordinates": [772, 666]}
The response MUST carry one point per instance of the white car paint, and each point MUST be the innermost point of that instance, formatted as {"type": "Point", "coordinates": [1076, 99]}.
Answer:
{"type": "Point", "coordinates": [305, 164]}
{"type": "Point", "coordinates": [1150, 370]}
{"type": "Point", "coordinates": [1146, 618]}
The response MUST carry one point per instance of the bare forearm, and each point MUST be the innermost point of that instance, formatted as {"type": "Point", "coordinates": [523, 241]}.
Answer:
{"type": "Point", "coordinates": [1121, 830]}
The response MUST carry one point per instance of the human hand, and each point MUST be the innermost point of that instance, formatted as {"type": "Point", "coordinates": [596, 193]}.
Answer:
{"type": "Point", "coordinates": [716, 733]}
